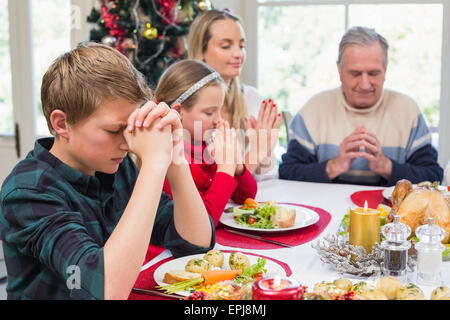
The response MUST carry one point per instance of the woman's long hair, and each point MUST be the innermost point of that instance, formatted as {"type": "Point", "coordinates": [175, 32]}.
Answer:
{"type": "Point", "coordinates": [198, 38]}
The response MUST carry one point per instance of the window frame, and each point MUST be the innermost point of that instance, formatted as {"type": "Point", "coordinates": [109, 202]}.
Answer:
{"type": "Point", "coordinates": [250, 74]}
{"type": "Point", "coordinates": [22, 67]}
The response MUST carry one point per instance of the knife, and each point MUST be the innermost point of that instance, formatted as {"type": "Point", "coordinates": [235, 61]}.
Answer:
{"type": "Point", "coordinates": [253, 236]}
{"type": "Point", "coordinates": [157, 293]}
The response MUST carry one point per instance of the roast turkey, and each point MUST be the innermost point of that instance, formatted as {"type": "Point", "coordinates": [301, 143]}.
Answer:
{"type": "Point", "coordinates": [416, 205]}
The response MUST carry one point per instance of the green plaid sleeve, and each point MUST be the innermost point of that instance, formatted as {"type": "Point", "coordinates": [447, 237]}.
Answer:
{"type": "Point", "coordinates": [40, 225]}
{"type": "Point", "coordinates": [165, 234]}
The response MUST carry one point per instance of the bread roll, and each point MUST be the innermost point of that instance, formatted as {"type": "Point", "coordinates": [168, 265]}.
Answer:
{"type": "Point", "coordinates": [284, 218]}
{"type": "Point", "coordinates": [176, 276]}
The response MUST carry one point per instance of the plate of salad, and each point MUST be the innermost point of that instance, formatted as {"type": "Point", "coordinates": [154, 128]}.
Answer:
{"type": "Point", "coordinates": [268, 216]}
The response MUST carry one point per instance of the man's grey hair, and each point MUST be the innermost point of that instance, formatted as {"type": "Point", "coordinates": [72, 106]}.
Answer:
{"type": "Point", "coordinates": [362, 36]}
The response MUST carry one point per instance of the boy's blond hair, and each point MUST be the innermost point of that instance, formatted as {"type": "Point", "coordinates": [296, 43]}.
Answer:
{"type": "Point", "coordinates": [80, 80]}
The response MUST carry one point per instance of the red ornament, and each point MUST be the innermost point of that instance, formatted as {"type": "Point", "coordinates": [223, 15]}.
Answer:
{"type": "Point", "coordinates": [111, 24]}
{"type": "Point", "coordinates": [166, 11]}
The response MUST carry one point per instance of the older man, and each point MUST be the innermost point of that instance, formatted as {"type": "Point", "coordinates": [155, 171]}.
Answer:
{"type": "Point", "coordinates": [360, 133]}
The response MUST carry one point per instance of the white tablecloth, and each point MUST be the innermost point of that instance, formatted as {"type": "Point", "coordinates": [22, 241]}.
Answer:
{"type": "Point", "coordinates": [303, 260]}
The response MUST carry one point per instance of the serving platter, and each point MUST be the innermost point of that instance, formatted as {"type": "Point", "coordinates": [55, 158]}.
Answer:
{"type": "Point", "coordinates": [304, 218]}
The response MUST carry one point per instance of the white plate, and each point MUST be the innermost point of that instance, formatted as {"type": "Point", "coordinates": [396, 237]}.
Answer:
{"type": "Point", "coordinates": [387, 193]}
{"type": "Point", "coordinates": [273, 268]}
{"type": "Point", "coordinates": [304, 218]}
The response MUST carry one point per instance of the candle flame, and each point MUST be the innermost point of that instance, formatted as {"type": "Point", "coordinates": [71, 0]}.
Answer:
{"type": "Point", "coordinates": [276, 282]}
{"type": "Point", "coordinates": [365, 205]}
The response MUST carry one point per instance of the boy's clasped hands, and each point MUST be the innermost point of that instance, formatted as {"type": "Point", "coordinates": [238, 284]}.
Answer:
{"type": "Point", "coordinates": [154, 133]}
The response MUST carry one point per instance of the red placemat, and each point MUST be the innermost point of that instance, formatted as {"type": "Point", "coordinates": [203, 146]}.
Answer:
{"type": "Point", "coordinates": [293, 237]}
{"type": "Point", "coordinates": [146, 280]}
{"type": "Point", "coordinates": [152, 252]}
{"type": "Point", "coordinates": [373, 198]}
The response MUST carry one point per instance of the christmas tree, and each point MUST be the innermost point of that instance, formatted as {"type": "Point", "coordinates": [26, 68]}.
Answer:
{"type": "Point", "coordinates": [152, 33]}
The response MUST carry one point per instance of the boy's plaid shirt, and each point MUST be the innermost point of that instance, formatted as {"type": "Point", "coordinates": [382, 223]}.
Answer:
{"type": "Point", "coordinates": [55, 220]}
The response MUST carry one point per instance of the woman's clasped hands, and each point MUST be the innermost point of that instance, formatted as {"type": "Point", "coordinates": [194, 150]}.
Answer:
{"type": "Point", "coordinates": [263, 136]}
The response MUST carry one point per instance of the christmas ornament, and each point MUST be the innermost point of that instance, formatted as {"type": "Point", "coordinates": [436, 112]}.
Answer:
{"type": "Point", "coordinates": [150, 32]}
{"type": "Point", "coordinates": [109, 40]}
{"type": "Point", "coordinates": [204, 5]}
{"type": "Point", "coordinates": [168, 11]}
{"type": "Point", "coordinates": [133, 27]}
{"type": "Point", "coordinates": [128, 44]}
{"type": "Point", "coordinates": [348, 259]}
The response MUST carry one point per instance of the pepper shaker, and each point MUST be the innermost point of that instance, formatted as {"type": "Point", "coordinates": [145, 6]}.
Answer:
{"type": "Point", "coordinates": [396, 246]}
{"type": "Point", "coordinates": [429, 253]}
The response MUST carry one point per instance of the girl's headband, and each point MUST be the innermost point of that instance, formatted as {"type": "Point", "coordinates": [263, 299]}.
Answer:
{"type": "Point", "coordinates": [200, 84]}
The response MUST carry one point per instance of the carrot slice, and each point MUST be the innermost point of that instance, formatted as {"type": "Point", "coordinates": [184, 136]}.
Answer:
{"type": "Point", "coordinates": [250, 203]}
{"type": "Point", "coordinates": [217, 275]}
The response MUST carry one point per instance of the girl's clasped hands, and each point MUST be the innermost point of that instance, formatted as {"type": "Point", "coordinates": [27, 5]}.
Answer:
{"type": "Point", "coordinates": [227, 149]}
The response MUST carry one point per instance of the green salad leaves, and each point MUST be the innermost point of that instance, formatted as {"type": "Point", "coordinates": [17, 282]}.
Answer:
{"type": "Point", "coordinates": [249, 272]}
{"type": "Point", "coordinates": [259, 217]}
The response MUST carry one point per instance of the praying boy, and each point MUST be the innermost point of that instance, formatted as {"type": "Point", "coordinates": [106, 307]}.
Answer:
{"type": "Point", "coordinates": [77, 204]}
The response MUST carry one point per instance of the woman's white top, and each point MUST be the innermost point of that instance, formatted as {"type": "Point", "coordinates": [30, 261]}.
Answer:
{"type": "Point", "coordinates": [253, 99]}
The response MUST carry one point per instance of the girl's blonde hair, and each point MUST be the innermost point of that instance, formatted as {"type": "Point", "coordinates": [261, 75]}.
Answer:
{"type": "Point", "coordinates": [180, 77]}
{"type": "Point", "coordinates": [198, 38]}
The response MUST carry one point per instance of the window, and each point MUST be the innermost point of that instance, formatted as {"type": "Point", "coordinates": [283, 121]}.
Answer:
{"type": "Point", "coordinates": [297, 45]}
{"type": "Point", "coordinates": [300, 63]}
{"type": "Point", "coordinates": [414, 33]}
{"type": "Point", "coordinates": [51, 37]}
{"type": "Point", "coordinates": [32, 34]}
{"type": "Point", "coordinates": [6, 110]}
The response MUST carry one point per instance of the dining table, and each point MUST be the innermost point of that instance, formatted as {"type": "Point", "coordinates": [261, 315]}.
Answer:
{"type": "Point", "coordinates": [304, 263]}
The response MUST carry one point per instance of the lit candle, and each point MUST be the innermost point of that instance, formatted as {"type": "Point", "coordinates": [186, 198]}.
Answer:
{"type": "Point", "coordinates": [364, 229]}
{"type": "Point", "coordinates": [277, 288]}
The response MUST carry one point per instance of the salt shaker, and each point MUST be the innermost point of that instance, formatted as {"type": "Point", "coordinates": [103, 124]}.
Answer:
{"type": "Point", "coordinates": [429, 253]}
{"type": "Point", "coordinates": [396, 246]}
